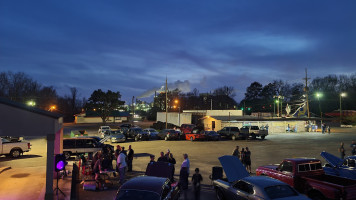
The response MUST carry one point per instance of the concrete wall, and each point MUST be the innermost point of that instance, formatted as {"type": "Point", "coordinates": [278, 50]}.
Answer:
{"type": "Point", "coordinates": [224, 112]}
{"type": "Point", "coordinates": [82, 119]}
{"type": "Point", "coordinates": [173, 118]}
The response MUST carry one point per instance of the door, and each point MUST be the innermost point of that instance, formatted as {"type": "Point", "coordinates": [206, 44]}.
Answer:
{"type": "Point", "coordinates": [286, 173]}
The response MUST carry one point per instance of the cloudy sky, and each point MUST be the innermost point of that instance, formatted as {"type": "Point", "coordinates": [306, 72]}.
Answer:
{"type": "Point", "coordinates": [131, 46]}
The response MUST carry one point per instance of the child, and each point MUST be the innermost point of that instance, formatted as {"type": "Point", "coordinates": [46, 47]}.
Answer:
{"type": "Point", "coordinates": [196, 178]}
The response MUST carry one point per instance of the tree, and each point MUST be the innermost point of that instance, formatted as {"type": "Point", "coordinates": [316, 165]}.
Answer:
{"type": "Point", "coordinates": [104, 102]}
{"type": "Point", "coordinates": [225, 90]}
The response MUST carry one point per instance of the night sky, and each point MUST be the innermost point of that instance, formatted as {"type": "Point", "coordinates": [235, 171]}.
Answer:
{"type": "Point", "coordinates": [131, 46]}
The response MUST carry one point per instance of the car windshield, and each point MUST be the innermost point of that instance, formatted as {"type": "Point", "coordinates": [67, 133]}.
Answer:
{"type": "Point", "coordinates": [137, 195]}
{"type": "Point", "coordinates": [280, 191]}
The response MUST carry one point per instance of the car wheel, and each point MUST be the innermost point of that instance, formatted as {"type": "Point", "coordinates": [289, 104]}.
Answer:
{"type": "Point", "coordinates": [66, 155]}
{"type": "Point", "coordinates": [253, 136]}
{"type": "Point", "coordinates": [233, 137]}
{"type": "Point", "coordinates": [263, 137]}
{"type": "Point", "coordinates": [191, 139]}
{"type": "Point", "coordinates": [15, 153]}
{"type": "Point", "coordinates": [219, 195]}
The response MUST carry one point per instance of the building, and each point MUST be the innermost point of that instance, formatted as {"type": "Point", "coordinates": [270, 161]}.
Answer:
{"type": "Point", "coordinates": [218, 119]}
{"type": "Point", "coordinates": [94, 117]}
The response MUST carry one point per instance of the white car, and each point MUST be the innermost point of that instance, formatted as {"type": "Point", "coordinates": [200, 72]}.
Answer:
{"type": "Point", "coordinates": [102, 130]}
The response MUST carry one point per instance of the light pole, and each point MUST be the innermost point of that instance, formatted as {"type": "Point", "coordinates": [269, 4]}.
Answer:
{"type": "Point", "coordinates": [176, 102]}
{"type": "Point", "coordinates": [342, 94]}
{"type": "Point", "coordinates": [318, 95]}
{"type": "Point", "coordinates": [277, 102]}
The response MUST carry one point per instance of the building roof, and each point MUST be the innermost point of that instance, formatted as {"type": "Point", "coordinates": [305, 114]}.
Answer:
{"type": "Point", "coordinates": [114, 113]}
{"type": "Point", "coordinates": [251, 118]}
{"type": "Point", "coordinates": [29, 108]}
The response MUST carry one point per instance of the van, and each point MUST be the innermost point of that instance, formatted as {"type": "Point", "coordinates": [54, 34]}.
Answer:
{"type": "Point", "coordinates": [81, 145]}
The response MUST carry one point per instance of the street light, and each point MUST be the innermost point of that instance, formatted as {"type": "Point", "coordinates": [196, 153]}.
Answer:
{"type": "Point", "coordinates": [342, 94]}
{"type": "Point", "coordinates": [31, 103]}
{"type": "Point", "coordinates": [53, 107]}
{"type": "Point", "coordinates": [318, 95]}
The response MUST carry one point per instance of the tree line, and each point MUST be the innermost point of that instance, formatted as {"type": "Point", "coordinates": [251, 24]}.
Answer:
{"type": "Point", "coordinates": [21, 88]}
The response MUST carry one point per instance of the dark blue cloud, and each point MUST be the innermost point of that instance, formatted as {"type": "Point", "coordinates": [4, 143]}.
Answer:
{"type": "Point", "coordinates": [132, 46]}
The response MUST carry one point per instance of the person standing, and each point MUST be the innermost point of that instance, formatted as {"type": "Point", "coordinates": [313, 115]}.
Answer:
{"type": "Point", "coordinates": [242, 156]}
{"type": "Point", "coordinates": [329, 129]}
{"type": "Point", "coordinates": [121, 164]}
{"type": "Point", "coordinates": [196, 179]}
{"type": "Point", "coordinates": [172, 160]}
{"type": "Point", "coordinates": [322, 128]}
{"type": "Point", "coordinates": [130, 157]}
{"type": "Point", "coordinates": [248, 160]}
{"type": "Point", "coordinates": [236, 152]}
{"type": "Point", "coordinates": [183, 176]}
{"type": "Point", "coordinates": [353, 147]}
{"type": "Point", "coordinates": [152, 159]}
{"type": "Point", "coordinates": [342, 150]}
{"type": "Point", "coordinates": [163, 158]}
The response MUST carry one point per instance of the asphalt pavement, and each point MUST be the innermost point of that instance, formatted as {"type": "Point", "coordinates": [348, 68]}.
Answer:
{"type": "Point", "coordinates": [26, 178]}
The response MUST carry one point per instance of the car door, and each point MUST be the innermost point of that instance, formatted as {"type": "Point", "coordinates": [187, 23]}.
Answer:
{"type": "Point", "coordinates": [286, 175]}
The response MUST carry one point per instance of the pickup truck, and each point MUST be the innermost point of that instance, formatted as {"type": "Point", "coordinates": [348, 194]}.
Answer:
{"type": "Point", "coordinates": [240, 185]}
{"type": "Point", "coordinates": [254, 131]}
{"type": "Point", "coordinates": [307, 176]}
{"type": "Point", "coordinates": [12, 148]}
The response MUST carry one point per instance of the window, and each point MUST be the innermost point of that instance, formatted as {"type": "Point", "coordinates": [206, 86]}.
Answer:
{"type": "Point", "coordinates": [89, 144]}
{"type": "Point", "coordinates": [351, 163]}
{"type": "Point", "coordinates": [309, 167]}
{"type": "Point", "coordinates": [286, 166]}
{"type": "Point", "coordinates": [234, 129]}
{"type": "Point", "coordinates": [244, 187]}
{"type": "Point", "coordinates": [280, 191]}
{"type": "Point", "coordinates": [68, 144]}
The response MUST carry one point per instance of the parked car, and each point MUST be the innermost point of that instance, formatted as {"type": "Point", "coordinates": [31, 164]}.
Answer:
{"type": "Point", "coordinates": [13, 148]}
{"type": "Point", "coordinates": [151, 132]}
{"type": "Point", "coordinates": [157, 184]}
{"type": "Point", "coordinates": [254, 131]}
{"type": "Point", "coordinates": [80, 145]}
{"type": "Point", "coordinates": [168, 134]}
{"type": "Point", "coordinates": [13, 138]}
{"type": "Point", "coordinates": [307, 176]}
{"type": "Point", "coordinates": [212, 136]}
{"type": "Point", "coordinates": [117, 136]}
{"type": "Point", "coordinates": [232, 133]}
{"type": "Point", "coordinates": [103, 129]}
{"type": "Point", "coordinates": [240, 185]}
{"type": "Point", "coordinates": [338, 167]}
{"type": "Point", "coordinates": [137, 134]}
{"type": "Point", "coordinates": [187, 128]}
{"type": "Point", "coordinates": [196, 134]}
{"type": "Point", "coordinates": [126, 125]}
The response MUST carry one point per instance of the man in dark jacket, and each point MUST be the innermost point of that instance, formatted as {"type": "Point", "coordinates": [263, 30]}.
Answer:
{"type": "Point", "coordinates": [130, 156]}
{"type": "Point", "coordinates": [163, 158]}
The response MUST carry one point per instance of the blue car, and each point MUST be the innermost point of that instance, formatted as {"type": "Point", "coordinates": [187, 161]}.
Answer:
{"type": "Point", "coordinates": [338, 167]}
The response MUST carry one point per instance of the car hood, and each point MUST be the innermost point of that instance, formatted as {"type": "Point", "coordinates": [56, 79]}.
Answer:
{"type": "Point", "coordinates": [233, 168]}
{"type": "Point", "coordinates": [331, 159]}
{"type": "Point", "coordinates": [299, 197]}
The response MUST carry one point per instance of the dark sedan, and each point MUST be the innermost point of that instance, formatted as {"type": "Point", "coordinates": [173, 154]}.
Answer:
{"type": "Point", "coordinates": [169, 134]}
{"type": "Point", "coordinates": [212, 136]}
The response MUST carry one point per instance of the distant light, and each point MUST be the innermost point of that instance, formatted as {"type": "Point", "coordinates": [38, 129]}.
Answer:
{"type": "Point", "coordinates": [31, 103]}
{"type": "Point", "coordinates": [277, 101]}
{"type": "Point", "coordinates": [176, 101]}
{"type": "Point", "coordinates": [343, 94]}
{"type": "Point", "coordinates": [318, 94]}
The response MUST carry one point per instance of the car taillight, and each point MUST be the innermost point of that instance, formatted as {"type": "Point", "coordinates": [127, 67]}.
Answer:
{"type": "Point", "coordinates": [28, 145]}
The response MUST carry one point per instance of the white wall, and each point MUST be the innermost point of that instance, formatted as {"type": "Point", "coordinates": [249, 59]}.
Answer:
{"type": "Point", "coordinates": [81, 119]}
{"type": "Point", "coordinates": [172, 117]}
{"type": "Point", "coordinates": [224, 112]}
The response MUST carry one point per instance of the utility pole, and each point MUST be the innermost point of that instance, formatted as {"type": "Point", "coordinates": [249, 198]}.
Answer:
{"type": "Point", "coordinates": [133, 108]}
{"type": "Point", "coordinates": [211, 104]}
{"type": "Point", "coordinates": [306, 90]}
{"type": "Point", "coordinates": [166, 105]}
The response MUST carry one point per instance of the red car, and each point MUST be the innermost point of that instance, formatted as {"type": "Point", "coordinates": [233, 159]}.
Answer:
{"type": "Point", "coordinates": [187, 128]}
{"type": "Point", "coordinates": [196, 134]}
{"type": "Point", "coordinates": [307, 176]}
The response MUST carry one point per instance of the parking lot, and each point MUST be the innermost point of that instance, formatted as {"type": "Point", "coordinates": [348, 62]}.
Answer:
{"type": "Point", "coordinates": [202, 154]}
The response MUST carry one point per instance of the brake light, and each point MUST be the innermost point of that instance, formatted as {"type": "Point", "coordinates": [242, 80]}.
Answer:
{"type": "Point", "coordinates": [28, 145]}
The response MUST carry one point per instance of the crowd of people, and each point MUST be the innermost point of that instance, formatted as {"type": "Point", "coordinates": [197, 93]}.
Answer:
{"type": "Point", "coordinates": [342, 149]}
{"type": "Point", "coordinates": [244, 155]}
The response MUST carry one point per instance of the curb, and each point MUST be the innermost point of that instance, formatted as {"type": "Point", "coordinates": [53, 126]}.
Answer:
{"type": "Point", "coordinates": [2, 169]}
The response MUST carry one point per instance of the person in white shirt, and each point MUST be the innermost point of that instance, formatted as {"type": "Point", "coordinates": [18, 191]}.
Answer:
{"type": "Point", "coordinates": [186, 162]}
{"type": "Point", "coordinates": [121, 164]}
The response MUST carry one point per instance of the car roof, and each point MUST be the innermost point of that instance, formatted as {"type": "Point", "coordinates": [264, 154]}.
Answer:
{"type": "Point", "coordinates": [262, 181]}
{"type": "Point", "coordinates": [148, 183]}
{"type": "Point", "coordinates": [302, 160]}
